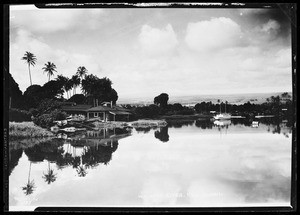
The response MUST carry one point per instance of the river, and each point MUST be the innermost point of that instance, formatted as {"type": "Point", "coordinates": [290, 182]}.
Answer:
{"type": "Point", "coordinates": [185, 164]}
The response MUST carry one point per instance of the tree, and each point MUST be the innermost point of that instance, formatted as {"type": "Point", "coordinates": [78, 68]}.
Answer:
{"type": "Point", "coordinates": [52, 89]}
{"type": "Point", "coordinates": [87, 84]}
{"type": "Point", "coordinates": [30, 60]}
{"type": "Point", "coordinates": [76, 82]}
{"type": "Point", "coordinates": [64, 82]}
{"type": "Point", "coordinates": [33, 95]}
{"type": "Point", "coordinates": [98, 90]}
{"type": "Point", "coordinates": [81, 72]}
{"type": "Point", "coordinates": [111, 96]}
{"type": "Point", "coordinates": [49, 69]}
{"type": "Point", "coordinates": [162, 100]}
{"type": "Point", "coordinates": [68, 86]}
{"type": "Point", "coordinates": [78, 99]}
{"type": "Point", "coordinates": [15, 94]}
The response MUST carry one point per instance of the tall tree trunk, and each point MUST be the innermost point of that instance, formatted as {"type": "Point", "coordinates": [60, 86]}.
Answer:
{"type": "Point", "coordinates": [29, 74]}
{"type": "Point", "coordinates": [49, 78]}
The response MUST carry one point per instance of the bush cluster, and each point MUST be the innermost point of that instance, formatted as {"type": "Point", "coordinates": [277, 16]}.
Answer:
{"type": "Point", "coordinates": [16, 115]}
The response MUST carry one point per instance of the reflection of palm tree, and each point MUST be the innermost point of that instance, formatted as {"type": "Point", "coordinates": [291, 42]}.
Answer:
{"type": "Point", "coordinates": [29, 187]}
{"type": "Point", "coordinates": [50, 176]}
{"type": "Point", "coordinates": [81, 170]}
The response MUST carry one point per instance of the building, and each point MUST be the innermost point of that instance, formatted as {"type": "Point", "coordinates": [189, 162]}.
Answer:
{"type": "Point", "coordinates": [105, 112]}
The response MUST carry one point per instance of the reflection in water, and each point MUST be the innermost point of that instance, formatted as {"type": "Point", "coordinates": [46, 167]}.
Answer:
{"type": "Point", "coordinates": [196, 168]}
{"type": "Point", "coordinates": [222, 123]}
{"type": "Point", "coordinates": [49, 176]}
{"type": "Point", "coordinates": [162, 134]}
{"type": "Point", "coordinates": [144, 130]}
{"type": "Point", "coordinates": [180, 123]}
{"type": "Point", "coordinates": [204, 124]}
{"type": "Point", "coordinates": [14, 156]}
{"type": "Point", "coordinates": [30, 186]}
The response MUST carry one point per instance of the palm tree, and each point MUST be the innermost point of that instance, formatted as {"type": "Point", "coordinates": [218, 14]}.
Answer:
{"type": "Point", "coordinates": [69, 86]}
{"type": "Point", "coordinates": [50, 176]}
{"type": "Point", "coordinates": [81, 71]}
{"type": "Point", "coordinates": [76, 82]}
{"type": "Point", "coordinates": [49, 68]}
{"type": "Point", "coordinates": [219, 105]}
{"type": "Point", "coordinates": [81, 171]}
{"type": "Point", "coordinates": [63, 80]}
{"type": "Point", "coordinates": [29, 187]}
{"type": "Point", "coordinates": [30, 60]}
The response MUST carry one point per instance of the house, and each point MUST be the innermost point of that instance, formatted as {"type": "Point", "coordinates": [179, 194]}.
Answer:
{"type": "Point", "coordinates": [105, 112]}
{"type": "Point", "coordinates": [76, 110]}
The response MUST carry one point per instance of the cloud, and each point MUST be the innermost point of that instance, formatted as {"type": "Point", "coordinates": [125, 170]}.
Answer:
{"type": "Point", "coordinates": [53, 20]}
{"type": "Point", "coordinates": [217, 33]}
{"type": "Point", "coordinates": [66, 62]}
{"type": "Point", "coordinates": [155, 41]}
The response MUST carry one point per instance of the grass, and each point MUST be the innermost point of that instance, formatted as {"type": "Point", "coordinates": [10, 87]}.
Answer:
{"type": "Point", "coordinates": [144, 123]}
{"type": "Point", "coordinates": [27, 130]}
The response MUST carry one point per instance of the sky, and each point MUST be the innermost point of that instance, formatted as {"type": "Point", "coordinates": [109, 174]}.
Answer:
{"type": "Point", "coordinates": [148, 51]}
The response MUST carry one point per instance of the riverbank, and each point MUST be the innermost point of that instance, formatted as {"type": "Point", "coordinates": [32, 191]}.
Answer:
{"type": "Point", "coordinates": [27, 130]}
{"type": "Point", "coordinates": [142, 123]}
{"type": "Point", "coordinates": [186, 117]}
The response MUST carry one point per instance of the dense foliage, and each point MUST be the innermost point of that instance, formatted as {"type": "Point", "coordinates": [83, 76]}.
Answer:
{"type": "Point", "coordinates": [16, 115]}
{"type": "Point", "coordinates": [47, 112]}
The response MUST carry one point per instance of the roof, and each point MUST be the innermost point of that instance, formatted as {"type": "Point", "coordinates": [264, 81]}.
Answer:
{"type": "Point", "coordinates": [67, 103]}
{"type": "Point", "coordinates": [121, 109]}
{"type": "Point", "coordinates": [76, 108]}
{"type": "Point", "coordinates": [99, 108]}
{"type": "Point", "coordinates": [117, 112]}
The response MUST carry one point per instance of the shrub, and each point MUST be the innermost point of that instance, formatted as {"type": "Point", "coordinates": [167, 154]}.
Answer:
{"type": "Point", "coordinates": [150, 111]}
{"type": "Point", "coordinates": [46, 120]}
{"type": "Point", "coordinates": [17, 115]}
{"type": "Point", "coordinates": [186, 112]}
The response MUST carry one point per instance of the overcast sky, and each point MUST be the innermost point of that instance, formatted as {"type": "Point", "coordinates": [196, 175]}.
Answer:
{"type": "Point", "coordinates": [148, 51]}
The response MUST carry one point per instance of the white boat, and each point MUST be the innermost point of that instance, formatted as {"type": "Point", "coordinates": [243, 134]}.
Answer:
{"type": "Point", "coordinates": [61, 122]}
{"type": "Point", "coordinates": [69, 129]}
{"type": "Point", "coordinates": [255, 124]}
{"type": "Point", "coordinates": [222, 122]}
{"type": "Point", "coordinates": [222, 116]}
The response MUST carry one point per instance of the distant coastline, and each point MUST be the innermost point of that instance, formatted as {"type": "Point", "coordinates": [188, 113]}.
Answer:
{"type": "Point", "coordinates": [256, 98]}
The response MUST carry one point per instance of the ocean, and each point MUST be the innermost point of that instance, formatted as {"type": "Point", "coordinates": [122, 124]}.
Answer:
{"type": "Point", "coordinates": [256, 98]}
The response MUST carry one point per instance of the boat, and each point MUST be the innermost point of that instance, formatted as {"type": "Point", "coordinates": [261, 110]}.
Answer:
{"type": "Point", "coordinates": [222, 116]}
{"type": "Point", "coordinates": [69, 129]}
{"type": "Point", "coordinates": [61, 122]}
{"type": "Point", "coordinates": [72, 129]}
{"type": "Point", "coordinates": [222, 122]}
{"type": "Point", "coordinates": [255, 124]}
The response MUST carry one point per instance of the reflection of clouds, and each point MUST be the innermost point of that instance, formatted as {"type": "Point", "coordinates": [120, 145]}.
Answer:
{"type": "Point", "coordinates": [160, 190]}
{"type": "Point", "coordinates": [260, 171]}
{"type": "Point", "coordinates": [208, 193]}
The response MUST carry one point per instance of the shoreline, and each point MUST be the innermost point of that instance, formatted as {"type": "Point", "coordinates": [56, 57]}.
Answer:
{"type": "Point", "coordinates": [21, 130]}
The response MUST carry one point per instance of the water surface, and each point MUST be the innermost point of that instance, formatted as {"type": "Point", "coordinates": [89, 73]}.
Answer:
{"type": "Point", "coordinates": [186, 164]}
